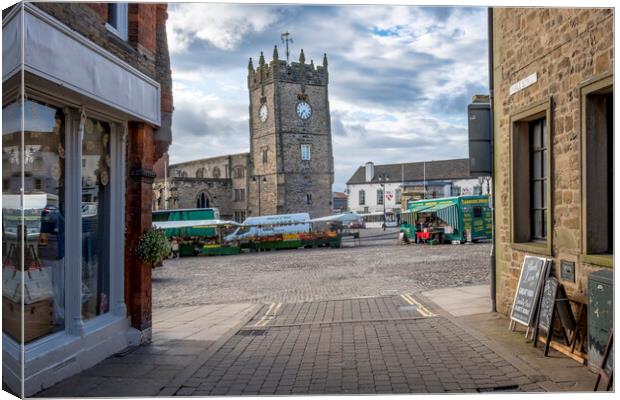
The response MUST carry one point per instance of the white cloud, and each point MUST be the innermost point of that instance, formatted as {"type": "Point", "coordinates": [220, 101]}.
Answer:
{"type": "Point", "coordinates": [400, 77]}
{"type": "Point", "coordinates": [222, 25]}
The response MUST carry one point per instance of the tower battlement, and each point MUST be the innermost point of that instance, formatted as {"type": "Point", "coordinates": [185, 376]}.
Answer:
{"type": "Point", "coordinates": [281, 71]}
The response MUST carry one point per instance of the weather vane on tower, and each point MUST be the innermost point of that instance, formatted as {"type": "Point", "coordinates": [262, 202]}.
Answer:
{"type": "Point", "coordinates": [286, 38]}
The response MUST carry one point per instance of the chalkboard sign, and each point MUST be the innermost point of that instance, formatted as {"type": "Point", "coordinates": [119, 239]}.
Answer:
{"type": "Point", "coordinates": [533, 273]}
{"type": "Point", "coordinates": [608, 367]}
{"type": "Point", "coordinates": [565, 312]}
{"type": "Point", "coordinates": [606, 370]}
{"type": "Point", "coordinates": [547, 304]}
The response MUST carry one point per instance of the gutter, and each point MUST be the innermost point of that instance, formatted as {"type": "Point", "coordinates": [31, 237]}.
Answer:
{"type": "Point", "coordinates": [492, 260]}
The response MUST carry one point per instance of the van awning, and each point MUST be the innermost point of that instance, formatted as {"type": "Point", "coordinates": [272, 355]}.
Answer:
{"type": "Point", "coordinates": [419, 208]}
{"type": "Point", "coordinates": [446, 212]}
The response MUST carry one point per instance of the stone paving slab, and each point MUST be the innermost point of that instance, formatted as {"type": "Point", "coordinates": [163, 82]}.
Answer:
{"type": "Point", "coordinates": [181, 337]}
{"type": "Point", "coordinates": [461, 301]}
{"type": "Point", "coordinates": [364, 354]}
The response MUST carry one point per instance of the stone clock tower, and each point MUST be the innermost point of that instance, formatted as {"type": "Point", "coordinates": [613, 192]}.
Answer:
{"type": "Point", "coordinates": [291, 162]}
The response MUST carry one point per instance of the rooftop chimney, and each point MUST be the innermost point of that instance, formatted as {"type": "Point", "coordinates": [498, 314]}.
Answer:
{"type": "Point", "coordinates": [370, 171]}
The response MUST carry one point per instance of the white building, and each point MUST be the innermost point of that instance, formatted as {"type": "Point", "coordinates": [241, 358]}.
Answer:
{"type": "Point", "coordinates": [372, 185]}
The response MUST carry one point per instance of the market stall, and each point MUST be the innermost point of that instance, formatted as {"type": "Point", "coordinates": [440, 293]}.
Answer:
{"type": "Point", "coordinates": [451, 219]}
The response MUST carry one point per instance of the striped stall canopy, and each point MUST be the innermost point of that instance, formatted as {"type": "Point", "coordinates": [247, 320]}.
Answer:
{"type": "Point", "coordinates": [447, 213]}
{"type": "Point", "coordinates": [409, 216]}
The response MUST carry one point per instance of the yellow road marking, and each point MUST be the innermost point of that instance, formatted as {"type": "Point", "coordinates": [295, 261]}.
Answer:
{"type": "Point", "coordinates": [271, 312]}
{"type": "Point", "coordinates": [264, 316]}
{"type": "Point", "coordinates": [423, 310]}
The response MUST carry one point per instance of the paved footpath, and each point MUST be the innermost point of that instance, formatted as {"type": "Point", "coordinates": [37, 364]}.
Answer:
{"type": "Point", "coordinates": [387, 344]}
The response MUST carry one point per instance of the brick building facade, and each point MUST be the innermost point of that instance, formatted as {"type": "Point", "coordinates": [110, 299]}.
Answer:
{"type": "Point", "coordinates": [289, 167]}
{"type": "Point", "coordinates": [552, 78]}
{"type": "Point", "coordinates": [97, 106]}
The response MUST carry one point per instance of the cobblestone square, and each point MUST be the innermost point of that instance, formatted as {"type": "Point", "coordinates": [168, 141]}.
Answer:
{"type": "Point", "coordinates": [377, 266]}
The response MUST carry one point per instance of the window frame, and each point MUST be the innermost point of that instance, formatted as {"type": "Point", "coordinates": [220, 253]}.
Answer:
{"type": "Point", "coordinates": [361, 197]}
{"type": "Point", "coordinates": [596, 85]}
{"type": "Point", "coordinates": [308, 147]}
{"type": "Point", "coordinates": [520, 235]}
{"type": "Point", "coordinates": [75, 325]}
{"type": "Point", "coordinates": [265, 154]}
{"type": "Point", "coordinates": [121, 14]}
{"type": "Point", "coordinates": [380, 198]}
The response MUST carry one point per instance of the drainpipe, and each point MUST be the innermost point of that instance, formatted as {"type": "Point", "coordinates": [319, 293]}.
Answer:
{"type": "Point", "coordinates": [492, 266]}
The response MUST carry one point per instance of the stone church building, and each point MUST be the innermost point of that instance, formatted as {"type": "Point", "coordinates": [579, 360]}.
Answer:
{"type": "Point", "coordinates": [290, 165]}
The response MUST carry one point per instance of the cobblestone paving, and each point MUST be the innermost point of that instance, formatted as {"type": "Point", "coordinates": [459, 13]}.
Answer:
{"type": "Point", "coordinates": [376, 267]}
{"type": "Point", "coordinates": [360, 353]}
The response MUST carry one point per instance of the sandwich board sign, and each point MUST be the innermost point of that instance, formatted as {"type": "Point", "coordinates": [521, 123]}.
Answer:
{"type": "Point", "coordinates": [533, 274]}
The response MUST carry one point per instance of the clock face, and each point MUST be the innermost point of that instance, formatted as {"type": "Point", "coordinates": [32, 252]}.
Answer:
{"type": "Point", "coordinates": [304, 111]}
{"type": "Point", "coordinates": [262, 112]}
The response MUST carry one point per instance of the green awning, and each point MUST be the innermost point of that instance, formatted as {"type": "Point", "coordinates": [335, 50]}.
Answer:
{"type": "Point", "coordinates": [418, 208]}
{"type": "Point", "coordinates": [446, 212]}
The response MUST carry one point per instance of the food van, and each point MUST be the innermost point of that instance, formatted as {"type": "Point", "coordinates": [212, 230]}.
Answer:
{"type": "Point", "coordinates": [451, 219]}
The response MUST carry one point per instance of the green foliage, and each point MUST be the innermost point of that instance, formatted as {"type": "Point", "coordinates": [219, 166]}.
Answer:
{"type": "Point", "coordinates": [153, 246]}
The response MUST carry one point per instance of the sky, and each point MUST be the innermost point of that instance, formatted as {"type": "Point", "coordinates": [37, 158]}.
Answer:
{"type": "Point", "coordinates": [400, 77]}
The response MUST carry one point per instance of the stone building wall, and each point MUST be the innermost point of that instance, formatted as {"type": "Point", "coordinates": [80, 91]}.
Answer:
{"type": "Point", "coordinates": [233, 171]}
{"type": "Point", "coordinates": [565, 48]}
{"type": "Point", "coordinates": [184, 192]}
{"type": "Point", "coordinates": [285, 181]}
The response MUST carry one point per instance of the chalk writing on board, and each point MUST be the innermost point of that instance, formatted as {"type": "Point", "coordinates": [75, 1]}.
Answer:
{"type": "Point", "coordinates": [548, 303]}
{"type": "Point", "coordinates": [533, 273]}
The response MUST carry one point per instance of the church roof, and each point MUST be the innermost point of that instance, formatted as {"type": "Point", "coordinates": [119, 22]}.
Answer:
{"type": "Point", "coordinates": [414, 171]}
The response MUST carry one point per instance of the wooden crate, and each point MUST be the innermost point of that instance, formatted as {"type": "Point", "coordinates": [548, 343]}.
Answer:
{"type": "Point", "coordinates": [38, 319]}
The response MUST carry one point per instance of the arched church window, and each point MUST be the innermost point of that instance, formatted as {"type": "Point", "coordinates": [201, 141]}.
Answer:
{"type": "Point", "coordinates": [200, 173]}
{"type": "Point", "coordinates": [216, 172]}
{"type": "Point", "coordinates": [202, 201]}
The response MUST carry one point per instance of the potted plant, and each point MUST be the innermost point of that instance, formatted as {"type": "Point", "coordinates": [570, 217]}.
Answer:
{"type": "Point", "coordinates": [153, 247]}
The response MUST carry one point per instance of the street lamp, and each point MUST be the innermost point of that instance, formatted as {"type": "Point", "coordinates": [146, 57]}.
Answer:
{"type": "Point", "coordinates": [383, 178]}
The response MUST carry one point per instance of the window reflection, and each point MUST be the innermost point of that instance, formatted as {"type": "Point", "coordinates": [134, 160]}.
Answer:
{"type": "Point", "coordinates": [40, 235]}
{"type": "Point", "coordinates": [95, 226]}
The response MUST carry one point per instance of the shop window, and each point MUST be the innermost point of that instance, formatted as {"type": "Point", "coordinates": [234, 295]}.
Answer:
{"type": "Point", "coordinates": [95, 218]}
{"type": "Point", "coordinates": [598, 143]}
{"type": "Point", "coordinates": [118, 20]}
{"type": "Point", "coordinates": [380, 196]}
{"type": "Point", "coordinates": [305, 152]}
{"type": "Point", "coordinates": [362, 197]}
{"type": "Point", "coordinates": [530, 163]}
{"type": "Point", "coordinates": [41, 235]}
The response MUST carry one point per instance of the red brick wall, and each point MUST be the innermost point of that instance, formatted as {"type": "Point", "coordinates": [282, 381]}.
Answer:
{"type": "Point", "coordinates": [142, 22]}
{"type": "Point", "coordinates": [138, 217]}
{"type": "Point", "coordinates": [99, 8]}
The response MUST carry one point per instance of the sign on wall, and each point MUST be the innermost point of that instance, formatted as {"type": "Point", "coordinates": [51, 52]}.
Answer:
{"type": "Point", "coordinates": [523, 83]}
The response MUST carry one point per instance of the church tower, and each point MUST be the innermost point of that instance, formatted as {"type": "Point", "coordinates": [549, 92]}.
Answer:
{"type": "Point", "coordinates": [291, 159]}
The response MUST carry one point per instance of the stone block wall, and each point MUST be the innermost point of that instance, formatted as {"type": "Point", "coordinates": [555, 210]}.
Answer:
{"type": "Point", "coordinates": [186, 190]}
{"type": "Point", "coordinates": [565, 48]}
